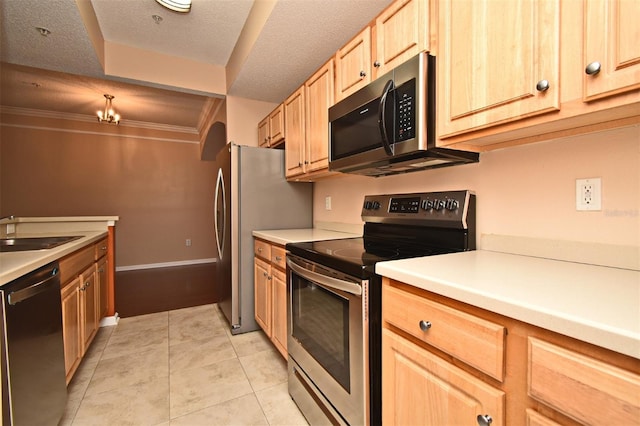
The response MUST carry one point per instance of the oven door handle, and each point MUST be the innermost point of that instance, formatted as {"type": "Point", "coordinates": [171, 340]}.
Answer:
{"type": "Point", "coordinates": [333, 283]}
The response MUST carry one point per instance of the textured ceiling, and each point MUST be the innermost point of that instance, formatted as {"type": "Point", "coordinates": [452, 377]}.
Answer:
{"type": "Point", "coordinates": [298, 37]}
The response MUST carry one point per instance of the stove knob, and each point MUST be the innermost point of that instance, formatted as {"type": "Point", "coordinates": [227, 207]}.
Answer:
{"type": "Point", "coordinates": [367, 205]}
{"type": "Point", "coordinates": [429, 205]}
{"type": "Point", "coordinates": [438, 204]}
{"type": "Point", "coordinates": [376, 205]}
{"type": "Point", "coordinates": [452, 205]}
{"type": "Point", "coordinates": [423, 204]}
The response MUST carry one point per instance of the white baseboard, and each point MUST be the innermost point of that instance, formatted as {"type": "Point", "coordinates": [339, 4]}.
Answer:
{"type": "Point", "coordinates": [109, 321]}
{"type": "Point", "coordinates": [165, 264]}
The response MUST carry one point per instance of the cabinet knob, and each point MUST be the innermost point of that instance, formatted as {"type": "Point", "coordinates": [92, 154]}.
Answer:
{"type": "Point", "coordinates": [363, 74]}
{"type": "Point", "coordinates": [484, 420]}
{"type": "Point", "coordinates": [593, 68]}
{"type": "Point", "coordinates": [264, 273]}
{"type": "Point", "coordinates": [82, 288]}
{"type": "Point", "coordinates": [299, 164]}
{"type": "Point", "coordinates": [259, 249]}
{"type": "Point", "coordinates": [87, 284]}
{"type": "Point", "coordinates": [278, 258]}
{"type": "Point", "coordinates": [376, 64]}
{"type": "Point", "coordinates": [425, 325]}
{"type": "Point", "coordinates": [542, 86]}
{"type": "Point", "coordinates": [103, 248]}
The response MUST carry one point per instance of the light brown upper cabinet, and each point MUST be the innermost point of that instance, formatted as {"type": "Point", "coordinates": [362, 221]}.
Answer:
{"type": "Point", "coordinates": [319, 97]}
{"type": "Point", "coordinates": [400, 32]}
{"type": "Point", "coordinates": [294, 125]}
{"type": "Point", "coordinates": [521, 71]}
{"type": "Point", "coordinates": [612, 47]}
{"type": "Point", "coordinates": [353, 65]}
{"type": "Point", "coordinates": [271, 129]}
{"type": "Point", "coordinates": [307, 126]}
{"type": "Point", "coordinates": [498, 62]}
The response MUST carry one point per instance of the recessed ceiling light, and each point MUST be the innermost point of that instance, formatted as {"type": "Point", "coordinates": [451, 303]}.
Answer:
{"type": "Point", "coordinates": [43, 31]}
{"type": "Point", "coordinates": [182, 6]}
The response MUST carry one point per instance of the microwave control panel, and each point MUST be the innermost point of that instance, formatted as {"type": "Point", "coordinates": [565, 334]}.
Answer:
{"type": "Point", "coordinates": [405, 111]}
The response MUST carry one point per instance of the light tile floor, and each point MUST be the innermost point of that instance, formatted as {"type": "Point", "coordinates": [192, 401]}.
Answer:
{"type": "Point", "coordinates": [180, 367]}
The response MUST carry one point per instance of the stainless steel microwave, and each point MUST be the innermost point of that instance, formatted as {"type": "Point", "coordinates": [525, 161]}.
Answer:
{"type": "Point", "coordinates": [388, 126]}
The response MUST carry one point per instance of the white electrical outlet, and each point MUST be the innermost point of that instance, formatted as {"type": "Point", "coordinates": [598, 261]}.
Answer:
{"type": "Point", "coordinates": [327, 203]}
{"type": "Point", "coordinates": [588, 194]}
{"type": "Point", "coordinates": [187, 242]}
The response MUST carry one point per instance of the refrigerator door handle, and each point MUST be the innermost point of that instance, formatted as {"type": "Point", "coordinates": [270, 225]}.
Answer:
{"type": "Point", "coordinates": [220, 210]}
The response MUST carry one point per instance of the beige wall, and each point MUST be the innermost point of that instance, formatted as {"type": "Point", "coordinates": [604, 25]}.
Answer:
{"type": "Point", "coordinates": [154, 182]}
{"type": "Point", "coordinates": [243, 116]}
{"type": "Point", "coordinates": [524, 191]}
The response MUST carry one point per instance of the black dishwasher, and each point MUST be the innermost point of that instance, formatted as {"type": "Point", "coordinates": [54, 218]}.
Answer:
{"type": "Point", "coordinates": [34, 389]}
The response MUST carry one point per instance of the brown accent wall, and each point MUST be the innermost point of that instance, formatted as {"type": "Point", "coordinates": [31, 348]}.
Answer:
{"type": "Point", "coordinates": [153, 180]}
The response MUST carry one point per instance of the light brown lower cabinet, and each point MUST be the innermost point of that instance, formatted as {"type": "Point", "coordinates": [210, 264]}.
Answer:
{"type": "Point", "coordinates": [549, 379]}
{"type": "Point", "coordinates": [84, 276]}
{"type": "Point", "coordinates": [270, 292]}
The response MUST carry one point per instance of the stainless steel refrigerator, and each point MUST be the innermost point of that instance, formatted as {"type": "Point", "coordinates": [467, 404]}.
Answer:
{"type": "Point", "coordinates": [251, 194]}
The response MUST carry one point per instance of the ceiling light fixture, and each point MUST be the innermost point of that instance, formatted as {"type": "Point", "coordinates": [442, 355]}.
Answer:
{"type": "Point", "coordinates": [182, 6]}
{"type": "Point", "coordinates": [108, 115]}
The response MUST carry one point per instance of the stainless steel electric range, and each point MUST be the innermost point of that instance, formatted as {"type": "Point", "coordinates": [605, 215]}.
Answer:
{"type": "Point", "coordinates": [334, 299]}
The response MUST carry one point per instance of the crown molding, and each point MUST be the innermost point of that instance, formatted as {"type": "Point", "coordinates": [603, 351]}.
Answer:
{"type": "Point", "coordinates": [28, 112]}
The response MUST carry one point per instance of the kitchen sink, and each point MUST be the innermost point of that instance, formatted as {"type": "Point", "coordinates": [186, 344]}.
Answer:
{"type": "Point", "coordinates": [34, 243]}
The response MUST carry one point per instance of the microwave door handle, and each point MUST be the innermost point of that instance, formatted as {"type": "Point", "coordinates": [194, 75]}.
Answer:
{"type": "Point", "coordinates": [381, 121]}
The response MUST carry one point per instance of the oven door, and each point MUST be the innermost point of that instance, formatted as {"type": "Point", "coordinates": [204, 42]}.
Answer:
{"type": "Point", "coordinates": [326, 338]}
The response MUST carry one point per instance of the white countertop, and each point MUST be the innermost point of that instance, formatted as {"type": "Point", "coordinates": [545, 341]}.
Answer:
{"type": "Point", "coordinates": [596, 304]}
{"type": "Point", "coordinates": [284, 236]}
{"type": "Point", "coordinates": [16, 264]}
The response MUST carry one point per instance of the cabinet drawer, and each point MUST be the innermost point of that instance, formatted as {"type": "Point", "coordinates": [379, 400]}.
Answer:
{"type": "Point", "coordinates": [262, 249]}
{"type": "Point", "coordinates": [278, 255]}
{"type": "Point", "coordinates": [100, 248]}
{"type": "Point", "coordinates": [583, 388]}
{"type": "Point", "coordinates": [76, 262]}
{"type": "Point", "coordinates": [475, 341]}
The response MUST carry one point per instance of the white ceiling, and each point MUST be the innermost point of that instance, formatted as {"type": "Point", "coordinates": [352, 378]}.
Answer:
{"type": "Point", "coordinates": [62, 73]}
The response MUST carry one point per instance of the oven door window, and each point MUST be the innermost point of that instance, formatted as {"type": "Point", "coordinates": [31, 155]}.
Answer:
{"type": "Point", "coordinates": [321, 325]}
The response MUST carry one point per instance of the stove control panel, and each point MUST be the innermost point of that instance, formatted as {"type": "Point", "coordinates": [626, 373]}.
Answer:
{"type": "Point", "coordinates": [443, 209]}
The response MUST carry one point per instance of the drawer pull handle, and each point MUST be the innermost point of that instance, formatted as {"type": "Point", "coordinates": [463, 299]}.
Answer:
{"type": "Point", "coordinates": [484, 420]}
{"type": "Point", "coordinates": [425, 325]}
{"type": "Point", "coordinates": [542, 86]}
{"type": "Point", "coordinates": [278, 258]}
{"type": "Point", "coordinates": [593, 68]}
{"type": "Point", "coordinates": [259, 249]}
{"type": "Point", "coordinates": [104, 248]}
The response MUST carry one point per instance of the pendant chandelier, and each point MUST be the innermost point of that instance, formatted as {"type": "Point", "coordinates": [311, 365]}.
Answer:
{"type": "Point", "coordinates": [108, 115]}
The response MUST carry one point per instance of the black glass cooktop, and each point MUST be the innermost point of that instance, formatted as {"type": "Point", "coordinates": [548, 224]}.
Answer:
{"type": "Point", "coordinates": [356, 256]}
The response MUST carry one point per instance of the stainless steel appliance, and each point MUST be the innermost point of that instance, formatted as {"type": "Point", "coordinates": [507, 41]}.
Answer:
{"type": "Point", "coordinates": [334, 299]}
{"type": "Point", "coordinates": [251, 193]}
{"type": "Point", "coordinates": [388, 127]}
{"type": "Point", "coordinates": [34, 390]}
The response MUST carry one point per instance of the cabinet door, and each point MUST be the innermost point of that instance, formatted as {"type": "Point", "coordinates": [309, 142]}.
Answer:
{"type": "Point", "coordinates": [262, 294]}
{"type": "Point", "coordinates": [353, 65]}
{"type": "Point", "coordinates": [612, 38]}
{"type": "Point", "coordinates": [70, 295]}
{"type": "Point", "coordinates": [294, 128]}
{"type": "Point", "coordinates": [263, 132]}
{"type": "Point", "coordinates": [276, 126]}
{"type": "Point", "coordinates": [494, 54]}
{"type": "Point", "coordinates": [103, 287]}
{"type": "Point", "coordinates": [319, 97]}
{"type": "Point", "coordinates": [89, 301]}
{"type": "Point", "coordinates": [279, 326]}
{"type": "Point", "coordinates": [402, 31]}
{"type": "Point", "coordinates": [422, 389]}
